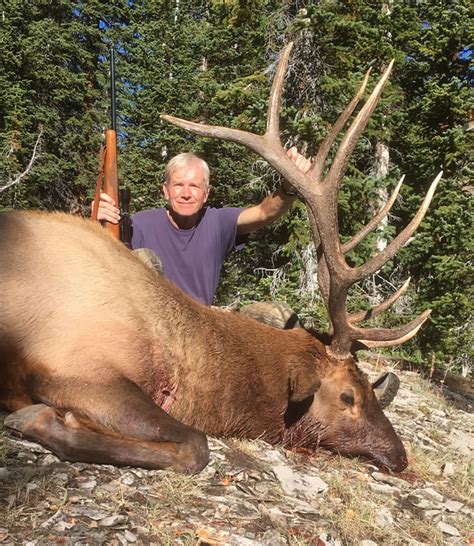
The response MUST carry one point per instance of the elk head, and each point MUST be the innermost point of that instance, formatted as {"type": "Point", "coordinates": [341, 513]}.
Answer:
{"type": "Point", "coordinates": [344, 408]}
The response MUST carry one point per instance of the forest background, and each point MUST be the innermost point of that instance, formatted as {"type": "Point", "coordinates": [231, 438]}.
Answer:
{"type": "Point", "coordinates": [213, 61]}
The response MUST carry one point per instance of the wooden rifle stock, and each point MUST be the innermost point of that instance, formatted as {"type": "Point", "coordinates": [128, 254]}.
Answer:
{"type": "Point", "coordinates": [111, 176]}
{"type": "Point", "coordinates": [108, 175]}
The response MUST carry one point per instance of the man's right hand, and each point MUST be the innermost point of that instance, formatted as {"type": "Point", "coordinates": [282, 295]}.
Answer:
{"type": "Point", "coordinates": [107, 209]}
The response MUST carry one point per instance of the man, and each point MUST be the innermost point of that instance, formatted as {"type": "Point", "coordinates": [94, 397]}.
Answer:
{"type": "Point", "coordinates": [193, 240]}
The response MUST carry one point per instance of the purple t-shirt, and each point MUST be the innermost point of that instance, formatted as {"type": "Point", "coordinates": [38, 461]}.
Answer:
{"type": "Point", "coordinates": [192, 258]}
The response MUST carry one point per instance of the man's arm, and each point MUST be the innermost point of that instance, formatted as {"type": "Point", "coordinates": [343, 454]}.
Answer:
{"type": "Point", "coordinates": [274, 205]}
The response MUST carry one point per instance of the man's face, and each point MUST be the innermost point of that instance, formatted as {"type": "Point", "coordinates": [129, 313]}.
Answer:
{"type": "Point", "coordinates": [186, 192]}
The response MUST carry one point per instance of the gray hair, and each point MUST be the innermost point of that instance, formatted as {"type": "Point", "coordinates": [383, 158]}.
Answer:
{"type": "Point", "coordinates": [183, 160]}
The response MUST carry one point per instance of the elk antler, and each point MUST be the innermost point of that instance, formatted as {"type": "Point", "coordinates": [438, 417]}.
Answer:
{"type": "Point", "coordinates": [320, 193]}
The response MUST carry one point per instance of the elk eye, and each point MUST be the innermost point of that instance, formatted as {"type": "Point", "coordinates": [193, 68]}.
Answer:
{"type": "Point", "coordinates": [348, 398]}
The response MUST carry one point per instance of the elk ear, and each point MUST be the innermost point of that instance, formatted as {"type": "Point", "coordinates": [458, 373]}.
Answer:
{"type": "Point", "coordinates": [386, 388]}
{"type": "Point", "coordinates": [303, 383]}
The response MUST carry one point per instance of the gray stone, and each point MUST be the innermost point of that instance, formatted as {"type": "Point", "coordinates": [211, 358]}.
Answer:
{"type": "Point", "coordinates": [448, 470]}
{"type": "Point", "coordinates": [461, 441]}
{"type": "Point", "coordinates": [384, 518]}
{"type": "Point", "coordinates": [129, 536]}
{"type": "Point", "coordinates": [27, 457]}
{"type": "Point", "coordinates": [391, 480]}
{"type": "Point", "coordinates": [272, 538]}
{"type": "Point", "coordinates": [127, 479]}
{"type": "Point", "coordinates": [87, 511]}
{"type": "Point", "coordinates": [237, 540]}
{"type": "Point", "coordinates": [89, 484]}
{"type": "Point", "coordinates": [49, 459]}
{"type": "Point", "coordinates": [421, 502]}
{"type": "Point", "coordinates": [447, 529]}
{"type": "Point", "coordinates": [112, 521]}
{"type": "Point", "coordinates": [432, 494]}
{"type": "Point", "coordinates": [384, 488]}
{"type": "Point", "coordinates": [453, 506]}
{"type": "Point", "coordinates": [62, 526]}
{"type": "Point", "coordinates": [293, 482]}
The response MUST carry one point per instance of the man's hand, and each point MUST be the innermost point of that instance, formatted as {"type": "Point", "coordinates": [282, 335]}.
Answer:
{"type": "Point", "coordinates": [274, 205]}
{"type": "Point", "coordinates": [107, 209]}
{"type": "Point", "coordinates": [303, 164]}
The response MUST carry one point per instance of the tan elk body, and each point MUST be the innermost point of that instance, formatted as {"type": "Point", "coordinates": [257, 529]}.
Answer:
{"type": "Point", "coordinates": [103, 360]}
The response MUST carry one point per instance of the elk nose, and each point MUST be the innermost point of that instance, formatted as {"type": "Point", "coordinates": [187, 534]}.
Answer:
{"type": "Point", "coordinates": [395, 462]}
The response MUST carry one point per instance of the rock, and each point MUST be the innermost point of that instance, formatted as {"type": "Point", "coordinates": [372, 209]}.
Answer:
{"type": "Point", "coordinates": [278, 518]}
{"type": "Point", "coordinates": [49, 459]}
{"type": "Point", "coordinates": [112, 521]}
{"type": "Point", "coordinates": [272, 538]}
{"type": "Point", "coordinates": [129, 536]}
{"type": "Point", "coordinates": [384, 518]}
{"type": "Point", "coordinates": [421, 502]}
{"type": "Point", "coordinates": [63, 526]}
{"type": "Point", "coordinates": [328, 540]}
{"type": "Point", "coordinates": [433, 514]}
{"type": "Point", "coordinates": [461, 441]}
{"type": "Point", "coordinates": [453, 506]}
{"type": "Point", "coordinates": [28, 457]}
{"type": "Point", "coordinates": [431, 494]}
{"type": "Point", "coordinates": [127, 479]}
{"type": "Point", "coordinates": [89, 484]}
{"type": "Point", "coordinates": [274, 313]}
{"type": "Point", "coordinates": [294, 483]}
{"type": "Point", "coordinates": [447, 529]}
{"type": "Point", "coordinates": [237, 540]}
{"type": "Point", "coordinates": [391, 480]}
{"type": "Point", "coordinates": [385, 489]}
{"type": "Point", "coordinates": [448, 470]}
{"type": "Point", "coordinates": [88, 511]}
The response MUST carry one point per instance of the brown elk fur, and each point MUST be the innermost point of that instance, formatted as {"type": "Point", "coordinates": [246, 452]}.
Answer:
{"type": "Point", "coordinates": [87, 329]}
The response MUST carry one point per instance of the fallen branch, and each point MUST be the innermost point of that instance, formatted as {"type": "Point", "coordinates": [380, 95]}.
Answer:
{"type": "Point", "coordinates": [34, 157]}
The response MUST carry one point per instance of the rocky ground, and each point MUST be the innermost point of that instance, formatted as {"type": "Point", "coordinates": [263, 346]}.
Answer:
{"type": "Point", "coordinates": [255, 494]}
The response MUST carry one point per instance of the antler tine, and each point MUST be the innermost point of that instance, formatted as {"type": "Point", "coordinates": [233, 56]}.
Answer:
{"type": "Point", "coordinates": [381, 307]}
{"type": "Point", "coordinates": [349, 141]}
{"type": "Point", "coordinates": [247, 138]}
{"type": "Point", "coordinates": [375, 263]}
{"type": "Point", "coordinates": [375, 220]}
{"type": "Point", "coordinates": [273, 114]}
{"type": "Point", "coordinates": [318, 165]}
{"type": "Point", "coordinates": [269, 145]}
{"type": "Point", "coordinates": [251, 140]}
{"type": "Point", "coordinates": [384, 337]}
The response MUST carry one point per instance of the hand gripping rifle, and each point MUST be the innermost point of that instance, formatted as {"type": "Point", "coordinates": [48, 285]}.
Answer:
{"type": "Point", "coordinates": [108, 173]}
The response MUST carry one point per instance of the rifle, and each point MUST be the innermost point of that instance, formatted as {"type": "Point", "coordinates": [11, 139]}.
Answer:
{"type": "Point", "coordinates": [108, 173]}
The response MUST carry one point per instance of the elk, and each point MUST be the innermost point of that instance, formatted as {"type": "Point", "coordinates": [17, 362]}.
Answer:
{"type": "Point", "coordinates": [103, 360]}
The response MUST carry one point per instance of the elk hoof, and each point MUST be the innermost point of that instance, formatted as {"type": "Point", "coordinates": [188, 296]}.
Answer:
{"type": "Point", "coordinates": [25, 421]}
{"type": "Point", "coordinates": [386, 388]}
{"type": "Point", "coordinates": [194, 456]}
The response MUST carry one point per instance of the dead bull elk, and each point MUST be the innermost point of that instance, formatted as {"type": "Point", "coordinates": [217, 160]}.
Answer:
{"type": "Point", "coordinates": [129, 372]}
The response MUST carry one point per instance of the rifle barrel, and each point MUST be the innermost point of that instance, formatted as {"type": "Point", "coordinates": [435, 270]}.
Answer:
{"type": "Point", "coordinates": [113, 113]}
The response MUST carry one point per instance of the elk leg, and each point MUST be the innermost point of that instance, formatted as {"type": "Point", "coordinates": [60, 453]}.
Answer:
{"type": "Point", "coordinates": [126, 429]}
